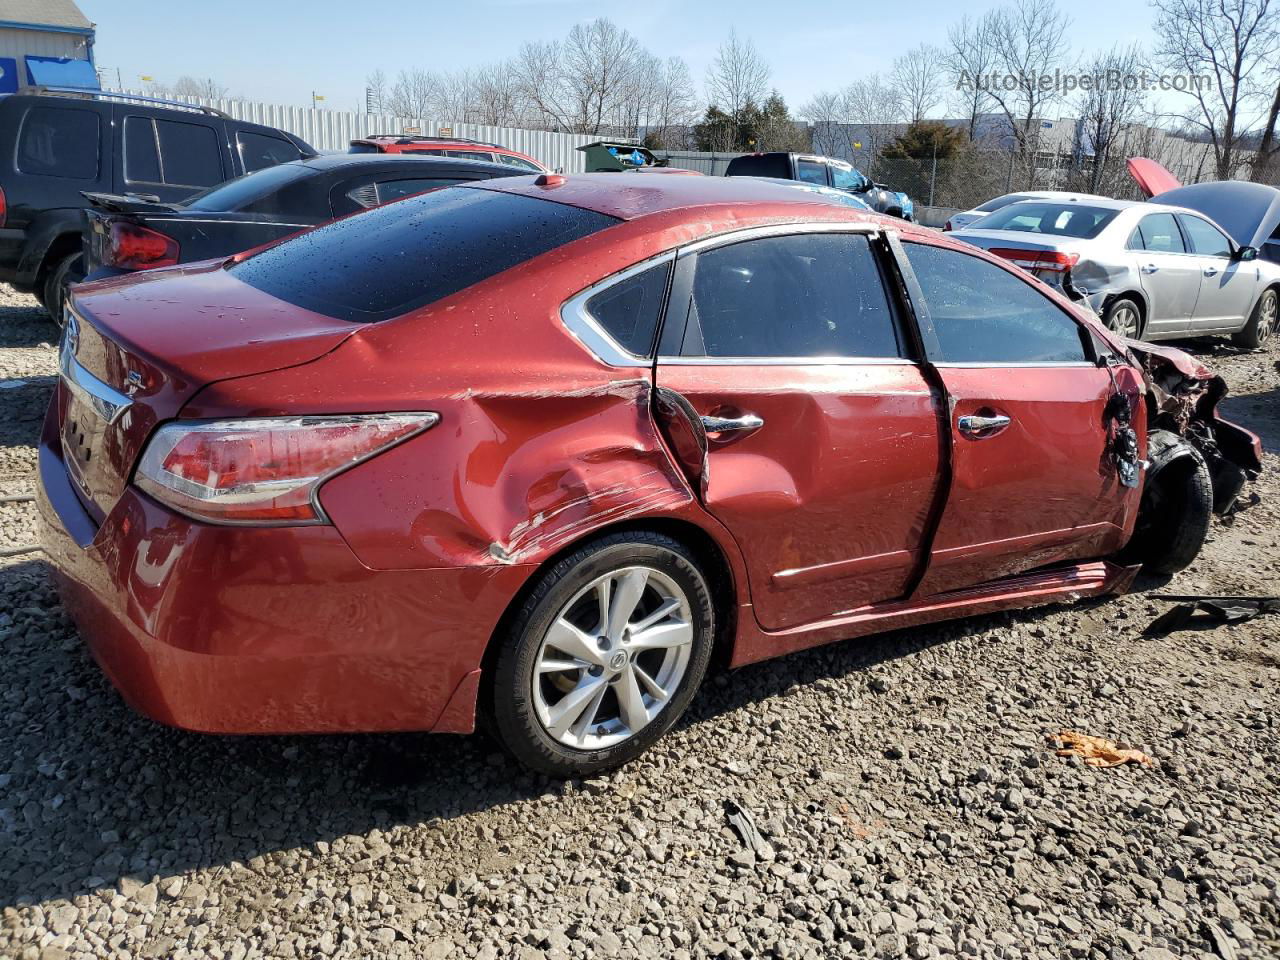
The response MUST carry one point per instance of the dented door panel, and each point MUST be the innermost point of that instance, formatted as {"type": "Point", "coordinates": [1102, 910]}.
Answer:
{"type": "Point", "coordinates": [829, 499]}
{"type": "Point", "coordinates": [1042, 489]}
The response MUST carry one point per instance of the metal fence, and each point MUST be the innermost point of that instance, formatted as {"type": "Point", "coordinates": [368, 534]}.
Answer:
{"type": "Point", "coordinates": [333, 130]}
{"type": "Point", "coordinates": [711, 164]}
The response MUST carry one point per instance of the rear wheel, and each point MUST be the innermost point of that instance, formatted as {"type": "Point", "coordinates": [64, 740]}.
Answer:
{"type": "Point", "coordinates": [62, 274]}
{"type": "Point", "coordinates": [1176, 510]}
{"type": "Point", "coordinates": [604, 655]}
{"type": "Point", "coordinates": [1124, 317]}
{"type": "Point", "coordinates": [1261, 325]}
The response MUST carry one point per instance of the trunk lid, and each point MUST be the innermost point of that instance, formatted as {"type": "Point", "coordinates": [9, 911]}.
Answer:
{"type": "Point", "coordinates": [136, 349]}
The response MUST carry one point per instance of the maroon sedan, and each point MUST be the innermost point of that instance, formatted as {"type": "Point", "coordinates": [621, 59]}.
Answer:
{"type": "Point", "coordinates": [538, 447]}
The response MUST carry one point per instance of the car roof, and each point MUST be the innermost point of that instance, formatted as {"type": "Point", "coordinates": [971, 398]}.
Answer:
{"type": "Point", "coordinates": [338, 161]}
{"type": "Point", "coordinates": [629, 197]}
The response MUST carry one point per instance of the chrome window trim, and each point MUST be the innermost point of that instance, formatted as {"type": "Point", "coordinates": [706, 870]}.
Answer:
{"type": "Point", "coordinates": [578, 320]}
{"type": "Point", "coordinates": [784, 229]}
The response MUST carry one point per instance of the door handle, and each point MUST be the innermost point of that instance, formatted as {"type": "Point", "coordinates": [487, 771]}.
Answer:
{"type": "Point", "coordinates": [1150, 268]}
{"type": "Point", "coordinates": [976, 426]}
{"type": "Point", "coordinates": [748, 421]}
{"type": "Point", "coordinates": [1210, 271]}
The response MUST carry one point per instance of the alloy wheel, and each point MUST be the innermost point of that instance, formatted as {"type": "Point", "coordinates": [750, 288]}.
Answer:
{"type": "Point", "coordinates": [1267, 317]}
{"type": "Point", "coordinates": [612, 658]}
{"type": "Point", "coordinates": [1124, 321]}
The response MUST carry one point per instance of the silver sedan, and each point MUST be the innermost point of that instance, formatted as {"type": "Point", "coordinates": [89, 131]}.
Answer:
{"type": "Point", "coordinates": [1151, 271]}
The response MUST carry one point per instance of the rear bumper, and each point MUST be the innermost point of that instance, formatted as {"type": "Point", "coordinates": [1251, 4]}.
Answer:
{"type": "Point", "coordinates": [265, 630]}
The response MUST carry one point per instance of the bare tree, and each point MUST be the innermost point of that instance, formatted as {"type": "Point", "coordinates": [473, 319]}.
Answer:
{"type": "Point", "coordinates": [1107, 108]}
{"type": "Point", "coordinates": [826, 113]}
{"type": "Point", "coordinates": [495, 95]}
{"type": "Point", "coordinates": [738, 76]}
{"type": "Point", "coordinates": [413, 94]}
{"type": "Point", "coordinates": [919, 74]}
{"type": "Point", "coordinates": [207, 88]}
{"type": "Point", "coordinates": [1224, 50]}
{"type": "Point", "coordinates": [375, 85]}
{"type": "Point", "coordinates": [667, 104]}
{"type": "Point", "coordinates": [1264, 164]}
{"type": "Point", "coordinates": [969, 60]}
{"type": "Point", "coordinates": [1030, 41]}
{"type": "Point", "coordinates": [874, 111]}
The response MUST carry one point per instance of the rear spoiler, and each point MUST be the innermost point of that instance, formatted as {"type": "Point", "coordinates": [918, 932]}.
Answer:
{"type": "Point", "coordinates": [128, 202]}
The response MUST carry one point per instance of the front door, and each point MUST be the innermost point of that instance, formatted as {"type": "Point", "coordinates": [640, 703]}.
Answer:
{"type": "Point", "coordinates": [823, 438]}
{"type": "Point", "coordinates": [1169, 273]}
{"type": "Point", "coordinates": [1033, 477]}
{"type": "Point", "coordinates": [1227, 286]}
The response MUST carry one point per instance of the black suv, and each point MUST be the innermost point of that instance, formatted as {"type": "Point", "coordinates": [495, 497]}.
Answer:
{"type": "Point", "coordinates": [55, 145]}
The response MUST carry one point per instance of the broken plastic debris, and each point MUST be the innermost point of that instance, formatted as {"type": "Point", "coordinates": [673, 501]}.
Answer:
{"type": "Point", "coordinates": [1098, 751]}
{"type": "Point", "coordinates": [741, 821]}
{"type": "Point", "coordinates": [1219, 609]}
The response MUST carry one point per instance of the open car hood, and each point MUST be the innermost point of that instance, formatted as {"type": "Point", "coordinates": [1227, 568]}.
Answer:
{"type": "Point", "coordinates": [1249, 212]}
{"type": "Point", "coordinates": [1152, 177]}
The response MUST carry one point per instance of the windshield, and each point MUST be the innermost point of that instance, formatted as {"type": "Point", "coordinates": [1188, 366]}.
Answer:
{"type": "Point", "coordinates": [1045, 217]}
{"type": "Point", "coordinates": [993, 205]}
{"type": "Point", "coordinates": [399, 257]}
{"type": "Point", "coordinates": [239, 193]}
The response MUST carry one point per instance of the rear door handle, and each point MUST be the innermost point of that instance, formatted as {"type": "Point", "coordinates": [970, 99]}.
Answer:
{"type": "Point", "coordinates": [748, 421]}
{"type": "Point", "coordinates": [1210, 271]}
{"type": "Point", "coordinates": [1150, 268]}
{"type": "Point", "coordinates": [976, 426]}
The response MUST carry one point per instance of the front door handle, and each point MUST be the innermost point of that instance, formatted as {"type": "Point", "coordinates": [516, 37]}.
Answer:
{"type": "Point", "coordinates": [748, 421]}
{"type": "Point", "coordinates": [1150, 268]}
{"type": "Point", "coordinates": [976, 426]}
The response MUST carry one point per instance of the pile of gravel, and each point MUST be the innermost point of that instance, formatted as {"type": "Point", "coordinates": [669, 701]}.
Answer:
{"type": "Point", "coordinates": [894, 797]}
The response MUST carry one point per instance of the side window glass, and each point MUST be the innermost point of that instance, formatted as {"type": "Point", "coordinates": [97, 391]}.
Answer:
{"type": "Point", "coordinates": [189, 154]}
{"type": "Point", "coordinates": [810, 171]}
{"type": "Point", "coordinates": [985, 314]}
{"type": "Point", "coordinates": [1206, 239]}
{"type": "Point", "coordinates": [804, 295]}
{"type": "Point", "coordinates": [470, 155]}
{"type": "Point", "coordinates": [630, 309]}
{"type": "Point", "coordinates": [517, 162]}
{"type": "Point", "coordinates": [59, 143]}
{"type": "Point", "coordinates": [1160, 234]}
{"type": "Point", "coordinates": [390, 190]}
{"type": "Point", "coordinates": [1136, 242]}
{"type": "Point", "coordinates": [847, 179]}
{"type": "Point", "coordinates": [259, 151]}
{"type": "Point", "coordinates": [141, 160]}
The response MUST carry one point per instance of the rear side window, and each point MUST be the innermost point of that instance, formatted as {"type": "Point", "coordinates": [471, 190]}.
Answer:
{"type": "Point", "coordinates": [259, 151]}
{"type": "Point", "coordinates": [59, 143]}
{"type": "Point", "coordinates": [141, 158]}
{"type": "Point", "coordinates": [766, 165]}
{"type": "Point", "coordinates": [810, 171]}
{"type": "Point", "coordinates": [983, 314]}
{"type": "Point", "coordinates": [390, 190]}
{"type": "Point", "coordinates": [400, 257]}
{"type": "Point", "coordinates": [520, 162]}
{"type": "Point", "coordinates": [189, 154]}
{"type": "Point", "coordinates": [629, 310]}
{"type": "Point", "coordinates": [470, 155]}
{"type": "Point", "coordinates": [807, 295]}
{"type": "Point", "coordinates": [363, 148]}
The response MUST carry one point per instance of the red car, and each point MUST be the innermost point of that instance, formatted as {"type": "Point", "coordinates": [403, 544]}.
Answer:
{"type": "Point", "coordinates": [538, 448]}
{"type": "Point", "coordinates": [457, 147]}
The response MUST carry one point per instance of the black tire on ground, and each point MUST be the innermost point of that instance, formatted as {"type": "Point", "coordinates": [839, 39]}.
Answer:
{"type": "Point", "coordinates": [514, 711]}
{"type": "Point", "coordinates": [1124, 316]}
{"type": "Point", "coordinates": [66, 271]}
{"type": "Point", "coordinates": [1262, 322]}
{"type": "Point", "coordinates": [1176, 510]}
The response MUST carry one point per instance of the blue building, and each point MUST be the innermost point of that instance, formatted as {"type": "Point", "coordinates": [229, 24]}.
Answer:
{"type": "Point", "coordinates": [45, 42]}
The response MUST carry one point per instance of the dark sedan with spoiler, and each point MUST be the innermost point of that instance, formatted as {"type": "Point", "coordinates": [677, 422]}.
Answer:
{"type": "Point", "coordinates": [123, 233]}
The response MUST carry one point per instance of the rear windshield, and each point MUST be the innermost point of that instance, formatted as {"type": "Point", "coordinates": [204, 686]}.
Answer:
{"type": "Point", "coordinates": [993, 205]}
{"type": "Point", "coordinates": [241, 193]}
{"type": "Point", "coordinates": [1054, 219]}
{"type": "Point", "coordinates": [393, 259]}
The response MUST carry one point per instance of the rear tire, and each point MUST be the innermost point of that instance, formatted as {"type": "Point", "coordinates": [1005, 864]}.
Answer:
{"type": "Point", "coordinates": [1175, 513]}
{"type": "Point", "coordinates": [1262, 323]}
{"type": "Point", "coordinates": [575, 690]}
{"type": "Point", "coordinates": [61, 275]}
{"type": "Point", "coordinates": [1124, 317]}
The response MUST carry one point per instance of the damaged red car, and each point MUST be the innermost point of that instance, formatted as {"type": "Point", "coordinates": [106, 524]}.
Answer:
{"type": "Point", "coordinates": [539, 449]}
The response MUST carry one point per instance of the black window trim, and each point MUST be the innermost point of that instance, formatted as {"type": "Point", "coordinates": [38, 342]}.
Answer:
{"type": "Point", "coordinates": [933, 350]}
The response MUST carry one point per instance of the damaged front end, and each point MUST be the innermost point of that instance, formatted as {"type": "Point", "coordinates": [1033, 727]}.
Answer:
{"type": "Point", "coordinates": [1182, 398]}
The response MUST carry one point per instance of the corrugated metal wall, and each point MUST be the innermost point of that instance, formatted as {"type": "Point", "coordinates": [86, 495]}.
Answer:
{"type": "Point", "coordinates": [335, 129]}
{"type": "Point", "coordinates": [39, 43]}
{"type": "Point", "coordinates": [711, 164]}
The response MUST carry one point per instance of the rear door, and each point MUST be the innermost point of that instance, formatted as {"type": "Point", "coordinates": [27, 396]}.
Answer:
{"type": "Point", "coordinates": [1227, 286]}
{"type": "Point", "coordinates": [822, 435]}
{"type": "Point", "coordinates": [1170, 275]}
{"type": "Point", "coordinates": [1033, 480]}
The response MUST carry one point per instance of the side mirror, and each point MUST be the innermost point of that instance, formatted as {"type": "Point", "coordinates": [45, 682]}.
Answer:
{"type": "Point", "coordinates": [1245, 254]}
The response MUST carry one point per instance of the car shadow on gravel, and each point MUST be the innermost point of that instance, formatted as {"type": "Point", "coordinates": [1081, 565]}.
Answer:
{"type": "Point", "coordinates": [94, 792]}
{"type": "Point", "coordinates": [1256, 412]}
{"type": "Point", "coordinates": [26, 327]}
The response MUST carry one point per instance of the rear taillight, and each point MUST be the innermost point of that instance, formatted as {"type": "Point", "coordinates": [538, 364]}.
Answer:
{"type": "Point", "coordinates": [134, 247]}
{"type": "Point", "coordinates": [4, 207]}
{"type": "Point", "coordinates": [263, 471]}
{"type": "Point", "coordinates": [1050, 260]}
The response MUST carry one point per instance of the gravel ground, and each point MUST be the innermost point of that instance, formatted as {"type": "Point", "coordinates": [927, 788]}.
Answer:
{"type": "Point", "coordinates": [907, 800]}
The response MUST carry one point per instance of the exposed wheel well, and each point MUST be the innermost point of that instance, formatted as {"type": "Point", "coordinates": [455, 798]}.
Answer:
{"type": "Point", "coordinates": [704, 549]}
{"type": "Point", "coordinates": [1138, 299]}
